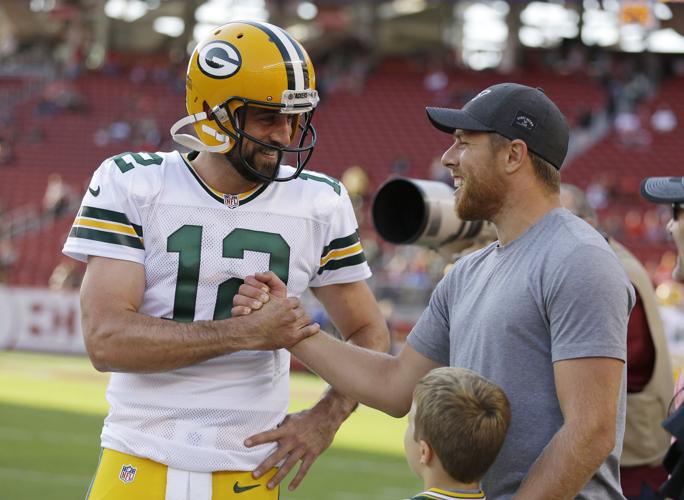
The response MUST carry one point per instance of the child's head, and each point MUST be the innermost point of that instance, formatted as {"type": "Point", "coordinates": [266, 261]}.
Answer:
{"type": "Point", "coordinates": [460, 417]}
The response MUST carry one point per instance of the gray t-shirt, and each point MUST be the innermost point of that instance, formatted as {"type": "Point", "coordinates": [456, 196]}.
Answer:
{"type": "Point", "coordinates": [556, 292]}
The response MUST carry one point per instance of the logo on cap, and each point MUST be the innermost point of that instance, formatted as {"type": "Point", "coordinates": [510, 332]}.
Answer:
{"type": "Point", "coordinates": [219, 59]}
{"type": "Point", "coordinates": [524, 121]}
{"type": "Point", "coordinates": [484, 92]}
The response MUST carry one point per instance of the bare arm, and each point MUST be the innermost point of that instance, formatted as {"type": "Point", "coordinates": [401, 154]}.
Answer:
{"type": "Point", "coordinates": [373, 378]}
{"type": "Point", "coordinates": [588, 392]}
{"type": "Point", "coordinates": [357, 316]}
{"type": "Point", "coordinates": [119, 338]}
{"type": "Point", "coordinates": [378, 380]}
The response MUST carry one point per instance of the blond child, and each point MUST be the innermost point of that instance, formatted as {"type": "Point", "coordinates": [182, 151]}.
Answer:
{"type": "Point", "coordinates": [457, 425]}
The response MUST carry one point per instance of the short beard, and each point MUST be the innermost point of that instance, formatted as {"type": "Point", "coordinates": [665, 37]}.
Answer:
{"type": "Point", "coordinates": [234, 158]}
{"type": "Point", "coordinates": [483, 199]}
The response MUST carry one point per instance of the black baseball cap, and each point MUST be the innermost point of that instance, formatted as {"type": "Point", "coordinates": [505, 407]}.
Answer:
{"type": "Point", "coordinates": [663, 189]}
{"type": "Point", "coordinates": [516, 112]}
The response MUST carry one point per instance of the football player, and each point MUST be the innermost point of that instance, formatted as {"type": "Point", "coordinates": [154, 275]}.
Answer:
{"type": "Point", "coordinates": [198, 399]}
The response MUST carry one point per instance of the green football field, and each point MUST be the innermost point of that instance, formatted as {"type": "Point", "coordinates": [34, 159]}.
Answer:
{"type": "Point", "coordinates": [51, 411]}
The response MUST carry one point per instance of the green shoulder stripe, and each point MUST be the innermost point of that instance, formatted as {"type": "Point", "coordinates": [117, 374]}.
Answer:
{"type": "Point", "coordinates": [343, 242]}
{"type": "Point", "coordinates": [353, 260]}
{"type": "Point", "coordinates": [333, 183]}
{"type": "Point", "coordinates": [109, 216]}
{"type": "Point", "coordinates": [106, 237]}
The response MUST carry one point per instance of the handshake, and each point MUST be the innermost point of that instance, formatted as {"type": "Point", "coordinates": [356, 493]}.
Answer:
{"type": "Point", "coordinates": [281, 321]}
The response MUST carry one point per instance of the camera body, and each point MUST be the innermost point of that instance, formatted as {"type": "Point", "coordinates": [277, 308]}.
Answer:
{"type": "Point", "coordinates": [420, 212]}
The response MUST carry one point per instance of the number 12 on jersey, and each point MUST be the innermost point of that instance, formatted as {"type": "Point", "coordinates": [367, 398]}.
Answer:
{"type": "Point", "coordinates": [187, 242]}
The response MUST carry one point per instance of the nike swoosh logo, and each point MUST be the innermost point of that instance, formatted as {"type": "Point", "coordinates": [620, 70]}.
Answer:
{"type": "Point", "coordinates": [94, 192]}
{"type": "Point", "coordinates": [240, 489]}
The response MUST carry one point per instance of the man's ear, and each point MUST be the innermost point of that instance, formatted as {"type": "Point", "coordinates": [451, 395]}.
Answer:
{"type": "Point", "coordinates": [426, 452]}
{"type": "Point", "coordinates": [515, 156]}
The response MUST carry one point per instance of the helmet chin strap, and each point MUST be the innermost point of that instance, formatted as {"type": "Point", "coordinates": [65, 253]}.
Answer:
{"type": "Point", "coordinates": [192, 142]}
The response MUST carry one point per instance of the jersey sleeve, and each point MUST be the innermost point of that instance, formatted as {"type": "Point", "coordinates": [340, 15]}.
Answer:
{"type": "Point", "coordinates": [108, 223]}
{"type": "Point", "coordinates": [342, 257]}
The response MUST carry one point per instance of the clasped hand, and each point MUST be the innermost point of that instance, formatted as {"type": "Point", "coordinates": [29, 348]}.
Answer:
{"type": "Point", "coordinates": [282, 321]}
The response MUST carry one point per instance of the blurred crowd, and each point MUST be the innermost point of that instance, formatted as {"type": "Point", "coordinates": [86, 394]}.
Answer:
{"type": "Point", "coordinates": [403, 275]}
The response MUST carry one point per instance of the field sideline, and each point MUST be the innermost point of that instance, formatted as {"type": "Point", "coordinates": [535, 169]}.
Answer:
{"type": "Point", "coordinates": [51, 411]}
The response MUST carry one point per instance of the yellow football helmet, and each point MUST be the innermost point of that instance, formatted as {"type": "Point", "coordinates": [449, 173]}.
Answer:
{"type": "Point", "coordinates": [248, 63]}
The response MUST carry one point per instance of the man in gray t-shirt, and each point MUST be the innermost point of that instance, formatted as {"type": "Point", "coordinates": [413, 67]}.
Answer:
{"type": "Point", "coordinates": [542, 312]}
{"type": "Point", "coordinates": [510, 312]}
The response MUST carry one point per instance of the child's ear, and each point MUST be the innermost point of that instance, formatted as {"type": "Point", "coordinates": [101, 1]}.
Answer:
{"type": "Point", "coordinates": [426, 453]}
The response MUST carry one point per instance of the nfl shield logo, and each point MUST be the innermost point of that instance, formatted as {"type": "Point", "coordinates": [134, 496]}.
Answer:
{"type": "Point", "coordinates": [127, 474]}
{"type": "Point", "coordinates": [231, 200]}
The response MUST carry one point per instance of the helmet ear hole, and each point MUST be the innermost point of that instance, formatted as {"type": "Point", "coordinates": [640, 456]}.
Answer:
{"type": "Point", "coordinates": [239, 117]}
{"type": "Point", "coordinates": [295, 126]}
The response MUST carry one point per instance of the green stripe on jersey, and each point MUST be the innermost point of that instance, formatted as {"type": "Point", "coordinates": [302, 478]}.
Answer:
{"type": "Point", "coordinates": [343, 242]}
{"type": "Point", "coordinates": [353, 260]}
{"type": "Point", "coordinates": [106, 237]}
{"type": "Point", "coordinates": [333, 183]}
{"type": "Point", "coordinates": [109, 216]}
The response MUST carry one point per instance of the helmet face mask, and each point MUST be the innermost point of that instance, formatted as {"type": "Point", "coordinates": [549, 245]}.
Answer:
{"type": "Point", "coordinates": [242, 65]}
{"type": "Point", "coordinates": [300, 148]}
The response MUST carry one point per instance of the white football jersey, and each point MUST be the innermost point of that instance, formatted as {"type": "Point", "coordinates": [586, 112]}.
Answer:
{"type": "Point", "coordinates": [197, 245]}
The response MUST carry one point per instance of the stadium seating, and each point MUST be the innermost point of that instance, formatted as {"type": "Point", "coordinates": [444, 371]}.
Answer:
{"type": "Point", "coordinates": [371, 128]}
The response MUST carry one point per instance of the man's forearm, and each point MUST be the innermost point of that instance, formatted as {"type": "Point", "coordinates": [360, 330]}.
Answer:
{"type": "Point", "coordinates": [363, 375]}
{"type": "Point", "coordinates": [567, 463]}
{"type": "Point", "coordinates": [132, 342]}
{"type": "Point", "coordinates": [337, 405]}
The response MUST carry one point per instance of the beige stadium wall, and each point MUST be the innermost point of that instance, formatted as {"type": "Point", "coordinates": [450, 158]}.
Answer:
{"type": "Point", "coordinates": [39, 319]}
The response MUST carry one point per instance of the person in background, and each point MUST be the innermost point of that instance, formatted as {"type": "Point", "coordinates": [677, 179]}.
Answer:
{"type": "Point", "coordinates": [670, 190]}
{"type": "Point", "coordinates": [67, 275]}
{"type": "Point", "coordinates": [8, 257]}
{"type": "Point", "coordinates": [58, 195]}
{"type": "Point", "coordinates": [649, 370]}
